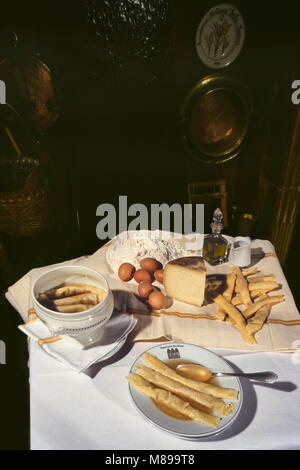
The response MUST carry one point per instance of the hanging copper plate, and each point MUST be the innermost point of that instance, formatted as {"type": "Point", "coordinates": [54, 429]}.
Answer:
{"type": "Point", "coordinates": [215, 116]}
{"type": "Point", "coordinates": [30, 89]}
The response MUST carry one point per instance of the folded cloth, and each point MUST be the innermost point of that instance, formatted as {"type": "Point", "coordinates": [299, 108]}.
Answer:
{"type": "Point", "coordinates": [69, 352]}
{"type": "Point", "coordinates": [183, 322]}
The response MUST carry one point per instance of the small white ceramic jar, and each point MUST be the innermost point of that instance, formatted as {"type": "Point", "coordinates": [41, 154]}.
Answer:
{"type": "Point", "coordinates": [85, 327]}
{"type": "Point", "coordinates": [240, 252]}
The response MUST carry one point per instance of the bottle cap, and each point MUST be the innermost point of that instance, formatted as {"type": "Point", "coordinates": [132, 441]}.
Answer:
{"type": "Point", "coordinates": [217, 220]}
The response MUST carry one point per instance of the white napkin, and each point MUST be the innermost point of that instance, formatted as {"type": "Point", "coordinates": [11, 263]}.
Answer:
{"type": "Point", "coordinates": [68, 351]}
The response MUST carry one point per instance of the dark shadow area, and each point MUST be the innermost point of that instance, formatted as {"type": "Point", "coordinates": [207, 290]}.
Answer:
{"type": "Point", "coordinates": [117, 133]}
{"type": "Point", "coordinates": [257, 254]}
{"type": "Point", "coordinates": [215, 285]}
{"type": "Point", "coordinates": [291, 267]}
{"type": "Point", "coordinates": [95, 369]}
{"type": "Point", "coordinates": [281, 386]}
{"type": "Point", "coordinates": [14, 378]}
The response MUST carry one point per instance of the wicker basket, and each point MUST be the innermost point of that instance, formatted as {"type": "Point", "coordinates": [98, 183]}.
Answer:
{"type": "Point", "coordinates": [25, 211]}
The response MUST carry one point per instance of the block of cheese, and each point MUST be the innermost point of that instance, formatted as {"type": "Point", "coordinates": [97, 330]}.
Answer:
{"type": "Point", "coordinates": [184, 279]}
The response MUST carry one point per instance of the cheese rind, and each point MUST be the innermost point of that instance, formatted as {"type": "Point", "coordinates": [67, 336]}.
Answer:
{"type": "Point", "coordinates": [184, 279]}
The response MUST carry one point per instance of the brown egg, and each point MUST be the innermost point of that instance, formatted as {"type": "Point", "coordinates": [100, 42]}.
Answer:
{"type": "Point", "coordinates": [126, 271]}
{"type": "Point", "coordinates": [142, 275]}
{"type": "Point", "coordinates": [151, 264]}
{"type": "Point", "coordinates": [145, 288]}
{"type": "Point", "coordinates": [159, 275]}
{"type": "Point", "coordinates": [157, 300]}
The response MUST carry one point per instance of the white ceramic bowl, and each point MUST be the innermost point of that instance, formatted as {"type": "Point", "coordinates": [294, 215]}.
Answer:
{"type": "Point", "coordinates": [86, 327]}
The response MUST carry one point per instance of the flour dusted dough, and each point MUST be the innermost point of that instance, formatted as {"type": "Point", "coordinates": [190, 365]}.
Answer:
{"type": "Point", "coordinates": [133, 250]}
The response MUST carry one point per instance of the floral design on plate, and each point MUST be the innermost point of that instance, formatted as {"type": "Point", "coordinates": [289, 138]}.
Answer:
{"type": "Point", "coordinates": [220, 36]}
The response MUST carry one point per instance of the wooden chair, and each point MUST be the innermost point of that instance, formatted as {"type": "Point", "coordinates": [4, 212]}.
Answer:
{"type": "Point", "coordinates": [212, 194]}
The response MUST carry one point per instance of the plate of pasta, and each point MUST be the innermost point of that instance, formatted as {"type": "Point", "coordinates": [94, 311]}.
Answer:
{"type": "Point", "coordinates": [184, 407]}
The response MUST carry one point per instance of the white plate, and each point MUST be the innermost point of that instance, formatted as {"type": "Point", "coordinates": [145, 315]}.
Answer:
{"type": "Point", "coordinates": [220, 36]}
{"type": "Point", "coordinates": [182, 428]}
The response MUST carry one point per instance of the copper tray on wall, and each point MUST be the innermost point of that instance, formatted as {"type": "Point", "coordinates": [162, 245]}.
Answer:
{"type": "Point", "coordinates": [31, 86]}
{"type": "Point", "coordinates": [215, 117]}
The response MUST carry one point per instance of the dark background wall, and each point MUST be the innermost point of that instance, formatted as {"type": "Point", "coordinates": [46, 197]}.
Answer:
{"type": "Point", "coordinates": [118, 131]}
{"type": "Point", "coordinates": [117, 134]}
{"type": "Point", "coordinates": [123, 68]}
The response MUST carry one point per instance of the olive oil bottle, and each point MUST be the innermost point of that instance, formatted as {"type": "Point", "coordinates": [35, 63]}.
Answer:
{"type": "Point", "coordinates": [215, 246]}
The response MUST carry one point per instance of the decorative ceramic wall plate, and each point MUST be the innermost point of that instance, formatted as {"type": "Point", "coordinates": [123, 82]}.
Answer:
{"type": "Point", "coordinates": [220, 36]}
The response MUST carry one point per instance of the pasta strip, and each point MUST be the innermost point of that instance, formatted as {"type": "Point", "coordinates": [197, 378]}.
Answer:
{"type": "Point", "coordinates": [249, 271]}
{"type": "Point", "coordinates": [172, 401]}
{"type": "Point", "coordinates": [257, 292]}
{"type": "Point", "coordinates": [236, 317]}
{"type": "Point", "coordinates": [269, 277]}
{"type": "Point", "coordinates": [162, 368]}
{"type": "Point", "coordinates": [263, 285]}
{"type": "Point", "coordinates": [215, 404]}
{"type": "Point", "coordinates": [237, 300]}
{"type": "Point", "coordinates": [249, 311]}
{"type": "Point", "coordinates": [68, 289]}
{"type": "Point", "coordinates": [88, 298]}
{"type": "Point", "coordinates": [221, 315]}
{"type": "Point", "coordinates": [230, 280]}
{"type": "Point", "coordinates": [257, 322]}
{"type": "Point", "coordinates": [242, 286]}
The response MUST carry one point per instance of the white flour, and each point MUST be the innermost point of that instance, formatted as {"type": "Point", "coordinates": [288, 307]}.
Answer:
{"type": "Point", "coordinates": [134, 250]}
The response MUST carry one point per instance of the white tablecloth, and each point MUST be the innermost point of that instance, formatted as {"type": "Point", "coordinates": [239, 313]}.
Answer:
{"type": "Point", "coordinates": [94, 411]}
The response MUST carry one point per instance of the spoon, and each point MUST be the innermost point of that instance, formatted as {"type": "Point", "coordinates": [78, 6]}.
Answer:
{"type": "Point", "coordinates": [197, 372]}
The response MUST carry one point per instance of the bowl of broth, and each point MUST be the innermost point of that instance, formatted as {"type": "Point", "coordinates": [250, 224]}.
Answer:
{"type": "Point", "coordinates": [75, 301]}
